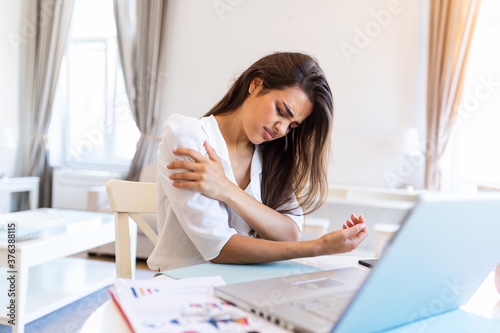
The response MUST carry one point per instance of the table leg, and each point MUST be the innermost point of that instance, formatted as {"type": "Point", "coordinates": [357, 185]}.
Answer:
{"type": "Point", "coordinates": [33, 193]}
{"type": "Point", "coordinates": [20, 275]}
{"type": "Point", "coordinates": [5, 201]}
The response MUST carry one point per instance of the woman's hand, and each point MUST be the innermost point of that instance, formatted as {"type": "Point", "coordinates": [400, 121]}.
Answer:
{"type": "Point", "coordinates": [205, 175]}
{"type": "Point", "coordinates": [352, 234]}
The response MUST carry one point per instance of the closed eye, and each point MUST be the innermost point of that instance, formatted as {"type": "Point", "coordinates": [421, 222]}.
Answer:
{"type": "Point", "coordinates": [281, 114]}
{"type": "Point", "coordinates": [292, 125]}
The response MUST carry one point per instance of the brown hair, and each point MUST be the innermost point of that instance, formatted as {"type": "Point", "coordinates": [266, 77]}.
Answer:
{"type": "Point", "coordinates": [297, 163]}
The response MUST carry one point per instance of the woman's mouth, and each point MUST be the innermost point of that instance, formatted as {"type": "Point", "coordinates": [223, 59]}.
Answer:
{"type": "Point", "coordinates": [268, 134]}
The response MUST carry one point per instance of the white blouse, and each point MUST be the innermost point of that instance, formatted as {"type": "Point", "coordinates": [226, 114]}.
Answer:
{"type": "Point", "coordinates": [193, 228]}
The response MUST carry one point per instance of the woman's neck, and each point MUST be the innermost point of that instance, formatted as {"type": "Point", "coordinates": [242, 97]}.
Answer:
{"type": "Point", "coordinates": [231, 128]}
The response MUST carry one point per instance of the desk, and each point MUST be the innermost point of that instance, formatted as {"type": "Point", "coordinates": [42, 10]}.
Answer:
{"type": "Point", "coordinates": [40, 271]}
{"type": "Point", "coordinates": [372, 197]}
{"type": "Point", "coordinates": [108, 319]}
{"type": "Point", "coordinates": [486, 301]}
{"type": "Point", "coordinates": [15, 185]}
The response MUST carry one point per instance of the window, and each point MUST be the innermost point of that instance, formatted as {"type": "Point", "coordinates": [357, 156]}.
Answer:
{"type": "Point", "coordinates": [475, 150]}
{"type": "Point", "coordinates": [92, 126]}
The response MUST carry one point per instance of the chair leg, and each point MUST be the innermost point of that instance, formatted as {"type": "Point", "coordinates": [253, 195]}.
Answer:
{"type": "Point", "coordinates": [125, 246]}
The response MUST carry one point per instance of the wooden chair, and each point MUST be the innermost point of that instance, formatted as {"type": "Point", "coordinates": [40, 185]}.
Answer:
{"type": "Point", "coordinates": [129, 199]}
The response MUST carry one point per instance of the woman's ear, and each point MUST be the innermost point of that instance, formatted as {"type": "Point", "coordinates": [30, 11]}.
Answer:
{"type": "Point", "coordinates": [256, 85]}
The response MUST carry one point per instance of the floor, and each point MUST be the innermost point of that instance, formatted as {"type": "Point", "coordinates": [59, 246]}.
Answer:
{"type": "Point", "coordinates": [142, 271]}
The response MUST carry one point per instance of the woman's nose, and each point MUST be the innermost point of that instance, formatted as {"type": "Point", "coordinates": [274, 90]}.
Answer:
{"type": "Point", "coordinates": [281, 129]}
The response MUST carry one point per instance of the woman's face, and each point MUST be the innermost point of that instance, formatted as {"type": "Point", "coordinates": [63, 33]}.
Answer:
{"type": "Point", "coordinates": [272, 115]}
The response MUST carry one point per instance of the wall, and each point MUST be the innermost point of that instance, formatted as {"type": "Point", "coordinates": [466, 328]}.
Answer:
{"type": "Point", "coordinates": [373, 53]}
{"type": "Point", "coordinates": [9, 80]}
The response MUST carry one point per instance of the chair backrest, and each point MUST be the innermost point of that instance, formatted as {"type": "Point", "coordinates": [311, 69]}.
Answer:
{"type": "Point", "coordinates": [130, 199]}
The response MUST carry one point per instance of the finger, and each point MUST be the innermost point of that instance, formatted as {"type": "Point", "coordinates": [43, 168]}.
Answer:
{"type": "Point", "coordinates": [211, 152]}
{"type": "Point", "coordinates": [360, 236]}
{"type": "Point", "coordinates": [353, 230]}
{"type": "Point", "coordinates": [188, 185]}
{"type": "Point", "coordinates": [184, 176]}
{"type": "Point", "coordinates": [362, 220]}
{"type": "Point", "coordinates": [193, 166]}
{"type": "Point", "coordinates": [354, 219]}
{"type": "Point", "coordinates": [195, 155]}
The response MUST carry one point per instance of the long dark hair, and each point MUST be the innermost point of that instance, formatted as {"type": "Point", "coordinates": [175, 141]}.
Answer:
{"type": "Point", "coordinates": [297, 163]}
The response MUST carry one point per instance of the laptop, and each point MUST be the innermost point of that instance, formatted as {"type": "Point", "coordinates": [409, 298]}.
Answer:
{"type": "Point", "coordinates": [444, 250]}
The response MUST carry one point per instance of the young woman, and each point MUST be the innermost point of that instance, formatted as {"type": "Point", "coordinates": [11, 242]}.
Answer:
{"type": "Point", "coordinates": [234, 185]}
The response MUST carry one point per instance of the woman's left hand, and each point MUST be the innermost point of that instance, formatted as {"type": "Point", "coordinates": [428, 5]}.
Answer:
{"type": "Point", "coordinates": [205, 175]}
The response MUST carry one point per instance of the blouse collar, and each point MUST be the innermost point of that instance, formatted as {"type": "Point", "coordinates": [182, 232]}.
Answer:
{"type": "Point", "coordinates": [211, 127]}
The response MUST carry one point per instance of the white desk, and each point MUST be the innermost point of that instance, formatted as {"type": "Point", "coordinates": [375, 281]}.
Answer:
{"type": "Point", "coordinates": [108, 319]}
{"type": "Point", "coordinates": [389, 198]}
{"type": "Point", "coordinates": [42, 281]}
{"type": "Point", "coordinates": [15, 185]}
{"type": "Point", "coordinates": [486, 301]}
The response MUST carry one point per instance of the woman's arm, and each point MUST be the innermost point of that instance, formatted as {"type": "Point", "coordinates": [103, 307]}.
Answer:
{"type": "Point", "coordinates": [207, 176]}
{"type": "Point", "coordinates": [246, 250]}
{"type": "Point", "coordinates": [267, 222]}
{"type": "Point", "coordinates": [204, 220]}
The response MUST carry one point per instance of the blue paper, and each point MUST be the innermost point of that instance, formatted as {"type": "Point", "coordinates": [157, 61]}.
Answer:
{"type": "Point", "coordinates": [242, 273]}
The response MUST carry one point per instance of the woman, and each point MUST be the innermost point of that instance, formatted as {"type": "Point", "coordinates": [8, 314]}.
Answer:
{"type": "Point", "coordinates": [234, 185]}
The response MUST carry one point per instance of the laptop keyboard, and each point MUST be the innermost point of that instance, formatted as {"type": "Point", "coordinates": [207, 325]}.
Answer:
{"type": "Point", "coordinates": [327, 307]}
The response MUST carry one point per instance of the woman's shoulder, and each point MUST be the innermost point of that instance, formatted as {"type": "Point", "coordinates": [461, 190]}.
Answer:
{"type": "Point", "coordinates": [180, 124]}
{"type": "Point", "coordinates": [181, 121]}
{"type": "Point", "coordinates": [180, 130]}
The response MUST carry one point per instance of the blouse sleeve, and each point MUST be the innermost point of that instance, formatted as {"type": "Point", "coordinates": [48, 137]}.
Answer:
{"type": "Point", "coordinates": [297, 214]}
{"type": "Point", "coordinates": [205, 220]}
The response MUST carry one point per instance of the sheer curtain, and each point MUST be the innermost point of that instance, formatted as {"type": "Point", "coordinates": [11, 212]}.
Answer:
{"type": "Point", "coordinates": [45, 50]}
{"type": "Point", "coordinates": [141, 42]}
{"type": "Point", "coordinates": [451, 30]}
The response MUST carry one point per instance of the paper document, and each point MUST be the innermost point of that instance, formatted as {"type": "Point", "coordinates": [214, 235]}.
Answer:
{"type": "Point", "coordinates": [186, 305]}
{"type": "Point", "coordinates": [242, 273]}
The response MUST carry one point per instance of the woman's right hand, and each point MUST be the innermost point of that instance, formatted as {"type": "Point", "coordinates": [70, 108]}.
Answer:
{"type": "Point", "coordinates": [204, 174]}
{"type": "Point", "coordinates": [345, 240]}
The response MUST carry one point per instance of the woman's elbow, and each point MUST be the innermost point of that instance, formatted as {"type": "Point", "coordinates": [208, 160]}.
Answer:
{"type": "Point", "coordinates": [293, 235]}
{"type": "Point", "coordinates": [218, 260]}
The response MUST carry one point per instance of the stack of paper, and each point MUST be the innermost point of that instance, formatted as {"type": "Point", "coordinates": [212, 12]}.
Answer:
{"type": "Point", "coordinates": [181, 306]}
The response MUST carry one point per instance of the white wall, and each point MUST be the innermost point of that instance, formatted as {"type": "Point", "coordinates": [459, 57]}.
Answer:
{"type": "Point", "coordinates": [378, 91]}
{"type": "Point", "coordinates": [10, 25]}
{"type": "Point", "coordinates": [378, 81]}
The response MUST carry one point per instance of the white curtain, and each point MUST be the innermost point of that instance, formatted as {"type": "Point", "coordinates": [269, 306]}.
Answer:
{"type": "Point", "coordinates": [141, 41]}
{"type": "Point", "coordinates": [451, 30]}
{"type": "Point", "coordinates": [45, 50]}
